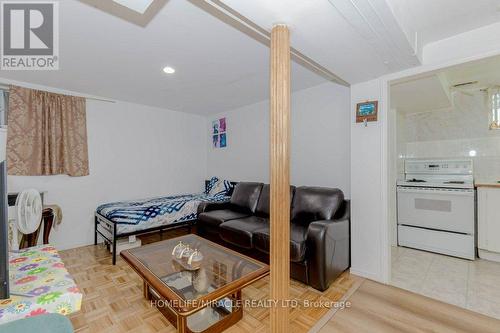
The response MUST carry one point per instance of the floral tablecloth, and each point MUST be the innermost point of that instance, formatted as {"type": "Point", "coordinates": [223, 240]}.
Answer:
{"type": "Point", "coordinates": [38, 273]}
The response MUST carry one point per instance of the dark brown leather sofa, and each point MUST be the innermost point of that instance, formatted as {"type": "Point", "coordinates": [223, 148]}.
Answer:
{"type": "Point", "coordinates": [319, 229]}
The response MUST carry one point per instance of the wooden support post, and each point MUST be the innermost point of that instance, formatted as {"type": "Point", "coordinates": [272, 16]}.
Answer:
{"type": "Point", "coordinates": [280, 176]}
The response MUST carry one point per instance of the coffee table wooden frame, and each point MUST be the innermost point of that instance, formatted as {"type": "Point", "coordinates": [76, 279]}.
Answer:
{"type": "Point", "coordinates": [155, 289]}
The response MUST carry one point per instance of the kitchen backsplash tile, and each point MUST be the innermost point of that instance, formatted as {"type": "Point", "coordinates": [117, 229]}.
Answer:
{"type": "Point", "coordinates": [461, 131]}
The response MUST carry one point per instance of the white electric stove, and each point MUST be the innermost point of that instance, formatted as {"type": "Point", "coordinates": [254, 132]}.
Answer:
{"type": "Point", "coordinates": [436, 207]}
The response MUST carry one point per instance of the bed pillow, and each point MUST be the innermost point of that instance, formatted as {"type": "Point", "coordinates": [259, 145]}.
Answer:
{"type": "Point", "coordinates": [218, 187]}
{"type": "Point", "coordinates": [211, 183]}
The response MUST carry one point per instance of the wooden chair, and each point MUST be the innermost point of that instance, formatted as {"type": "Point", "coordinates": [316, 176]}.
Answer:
{"type": "Point", "coordinates": [32, 239]}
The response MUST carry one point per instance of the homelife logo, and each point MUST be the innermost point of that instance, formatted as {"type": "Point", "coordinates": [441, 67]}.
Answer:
{"type": "Point", "coordinates": [30, 36]}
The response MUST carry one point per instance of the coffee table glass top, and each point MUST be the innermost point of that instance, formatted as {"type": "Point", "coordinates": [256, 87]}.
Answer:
{"type": "Point", "coordinates": [220, 267]}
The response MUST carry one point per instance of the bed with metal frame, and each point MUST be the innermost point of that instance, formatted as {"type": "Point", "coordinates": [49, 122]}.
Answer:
{"type": "Point", "coordinates": [108, 229]}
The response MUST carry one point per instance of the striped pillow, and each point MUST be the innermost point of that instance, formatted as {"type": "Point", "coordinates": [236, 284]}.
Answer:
{"type": "Point", "coordinates": [220, 188]}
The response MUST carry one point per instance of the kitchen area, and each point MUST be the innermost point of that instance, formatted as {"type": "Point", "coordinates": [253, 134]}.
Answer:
{"type": "Point", "coordinates": [445, 225]}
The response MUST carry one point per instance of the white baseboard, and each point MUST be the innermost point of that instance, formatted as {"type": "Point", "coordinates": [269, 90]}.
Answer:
{"type": "Point", "coordinates": [487, 255]}
{"type": "Point", "coordinates": [368, 275]}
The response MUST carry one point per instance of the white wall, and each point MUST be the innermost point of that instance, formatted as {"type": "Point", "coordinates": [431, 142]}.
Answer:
{"type": "Point", "coordinates": [135, 152]}
{"type": "Point", "coordinates": [320, 152]}
{"type": "Point", "coordinates": [366, 183]}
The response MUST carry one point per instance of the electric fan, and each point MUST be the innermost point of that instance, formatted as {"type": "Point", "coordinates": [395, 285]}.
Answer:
{"type": "Point", "coordinates": [28, 211]}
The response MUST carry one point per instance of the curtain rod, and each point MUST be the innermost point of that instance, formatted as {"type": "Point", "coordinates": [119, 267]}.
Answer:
{"type": "Point", "coordinates": [5, 86]}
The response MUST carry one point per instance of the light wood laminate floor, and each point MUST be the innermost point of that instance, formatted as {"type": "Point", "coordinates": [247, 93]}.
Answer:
{"type": "Point", "coordinates": [377, 308]}
{"type": "Point", "coordinates": [113, 302]}
{"type": "Point", "coordinates": [113, 299]}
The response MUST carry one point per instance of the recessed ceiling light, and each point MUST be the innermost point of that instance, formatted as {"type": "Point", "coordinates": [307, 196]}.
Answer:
{"type": "Point", "coordinates": [169, 70]}
{"type": "Point", "coordinates": [139, 6]}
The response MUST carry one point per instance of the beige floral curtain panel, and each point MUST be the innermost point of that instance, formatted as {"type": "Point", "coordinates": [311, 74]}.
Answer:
{"type": "Point", "coordinates": [47, 134]}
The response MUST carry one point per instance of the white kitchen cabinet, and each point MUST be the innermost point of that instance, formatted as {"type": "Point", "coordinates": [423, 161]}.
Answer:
{"type": "Point", "coordinates": [488, 211]}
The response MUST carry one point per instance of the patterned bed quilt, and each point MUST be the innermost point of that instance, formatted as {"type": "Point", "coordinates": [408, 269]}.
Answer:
{"type": "Point", "coordinates": [143, 214]}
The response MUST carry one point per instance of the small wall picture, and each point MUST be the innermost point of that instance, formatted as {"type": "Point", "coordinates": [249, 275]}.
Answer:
{"type": "Point", "coordinates": [222, 140]}
{"type": "Point", "coordinates": [215, 127]}
{"type": "Point", "coordinates": [366, 111]}
{"type": "Point", "coordinates": [219, 133]}
{"type": "Point", "coordinates": [222, 125]}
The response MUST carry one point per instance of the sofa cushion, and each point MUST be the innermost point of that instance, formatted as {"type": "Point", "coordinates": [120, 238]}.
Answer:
{"type": "Point", "coordinates": [245, 196]}
{"type": "Point", "coordinates": [315, 203]}
{"type": "Point", "coordinates": [215, 217]}
{"type": "Point", "coordinates": [263, 206]}
{"type": "Point", "coordinates": [239, 232]}
{"type": "Point", "coordinates": [298, 235]}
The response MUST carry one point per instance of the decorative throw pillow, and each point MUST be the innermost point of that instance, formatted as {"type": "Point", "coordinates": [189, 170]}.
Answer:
{"type": "Point", "coordinates": [220, 187]}
{"type": "Point", "coordinates": [211, 184]}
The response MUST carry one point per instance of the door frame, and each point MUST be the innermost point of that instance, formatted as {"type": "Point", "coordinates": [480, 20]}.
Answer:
{"type": "Point", "coordinates": [387, 158]}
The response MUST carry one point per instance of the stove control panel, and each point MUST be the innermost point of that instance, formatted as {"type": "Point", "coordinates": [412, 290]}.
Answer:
{"type": "Point", "coordinates": [447, 167]}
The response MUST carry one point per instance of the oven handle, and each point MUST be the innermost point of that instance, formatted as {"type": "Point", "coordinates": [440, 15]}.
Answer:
{"type": "Point", "coordinates": [461, 192]}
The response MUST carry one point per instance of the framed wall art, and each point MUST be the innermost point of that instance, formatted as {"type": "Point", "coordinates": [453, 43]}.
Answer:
{"type": "Point", "coordinates": [219, 133]}
{"type": "Point", "coordinates": [366, 111]}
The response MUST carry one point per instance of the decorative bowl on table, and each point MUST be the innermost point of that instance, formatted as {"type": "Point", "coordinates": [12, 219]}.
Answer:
{"type": "Point", "coordinates": [178, 249]}
{"type": "Point", "coordinates": [185, 256]}
{"type": "Point", "coordinates": [195, 259]}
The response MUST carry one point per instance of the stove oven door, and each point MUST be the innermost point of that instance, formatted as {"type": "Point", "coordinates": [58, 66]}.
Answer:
{"type": "Point", "coordinates": [437, 208]}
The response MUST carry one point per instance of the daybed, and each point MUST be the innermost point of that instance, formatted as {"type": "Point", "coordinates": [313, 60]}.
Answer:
{"type": "Point", "coordinates": [127, 218]}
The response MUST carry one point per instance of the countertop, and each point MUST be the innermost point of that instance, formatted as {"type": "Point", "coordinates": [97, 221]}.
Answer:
{"type": "Point", "coordinates": [487, 183]}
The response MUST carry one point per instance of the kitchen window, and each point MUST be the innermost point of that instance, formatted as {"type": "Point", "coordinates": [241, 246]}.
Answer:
{"type": "Point", "coordinates": [494, 104]}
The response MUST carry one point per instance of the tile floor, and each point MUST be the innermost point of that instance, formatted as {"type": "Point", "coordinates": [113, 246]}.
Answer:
{"type": "Point", "coordinates": [474, 285]}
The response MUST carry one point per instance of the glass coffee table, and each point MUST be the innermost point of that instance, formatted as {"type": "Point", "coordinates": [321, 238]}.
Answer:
{"type": "Point", "coordinates": [207, 299]}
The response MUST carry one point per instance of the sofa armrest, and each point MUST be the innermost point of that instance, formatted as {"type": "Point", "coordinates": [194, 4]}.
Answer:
{"type": "Point", "coordinates": [209, 206]}
{"type": "Point", "coordinates": [344, 213]}
{"type": "Point", "coordinates": [328, 250]}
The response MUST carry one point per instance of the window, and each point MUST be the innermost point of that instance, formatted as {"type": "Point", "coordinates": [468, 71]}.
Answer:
{"type": "Point", "coordinates": [494, 105]}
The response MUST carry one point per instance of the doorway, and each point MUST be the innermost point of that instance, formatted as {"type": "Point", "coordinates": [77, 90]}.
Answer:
{"type": "Point", "coordinates": [443, 120]}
